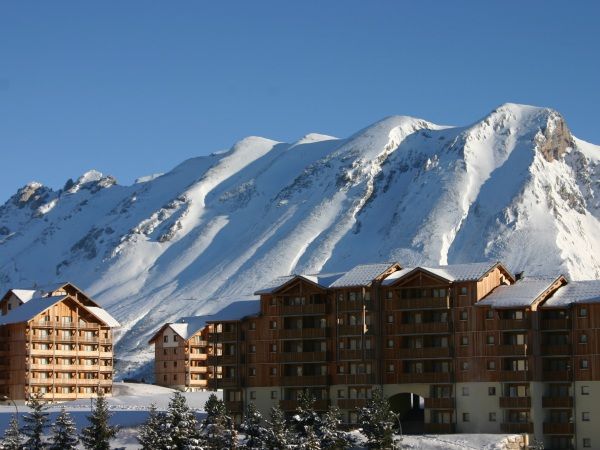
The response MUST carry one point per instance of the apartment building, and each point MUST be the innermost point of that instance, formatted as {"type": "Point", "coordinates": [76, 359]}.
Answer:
{"type": "Point", "coordinates": [54, 341]}
{"type": "Point", "coordinates": [460, 348]}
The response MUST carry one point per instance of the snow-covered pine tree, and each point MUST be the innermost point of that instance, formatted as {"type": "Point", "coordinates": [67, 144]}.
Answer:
{"type": "Point", "coordinates": [377, 421]}
{"type": "Point", "coordinates": [36, 422]}
{"type": "Point", "coordinates": [310, 441]}
{"type": "Point", "coordinates": [331, 434]}
{"type": "Point", "coordinates": [64, 433]}
{"type": "Point", "coordinates": [305, 416]}
{"type": "Point", "coordinates": [12, 436]}
{"type": "Point", "coordinates": [279, 436]}
{"type": "Point", "coordinates": [180, 426]}
{"type": "Point", "coordinates": [98, 434]}
{"type": "Point", "coordinates": [150, 434]}
{"type": "Point", "coordinates": [252, 427]}
{"type": "Point", "coordinates": [218, 429]}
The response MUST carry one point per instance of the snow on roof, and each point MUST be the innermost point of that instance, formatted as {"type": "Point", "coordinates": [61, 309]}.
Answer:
{"type": "Point", "coordinates": [361, 275]}
{"type": "Point", "coordinates": [322, 279]}
{"type": "Point", "coordinates": [24, 294]}
{"type": "Point", "coordinates": [188, 326]}
{"type": "Point", "coordinates": [450, 272]}
{"type": "Point", "coordinates": [521, 294]}
{"type": "Point", "coordinates": [103, 315]}
{"type": "Point", "coordinates": [587, 291]}
{"type": "Point", "coordinates": [236, 311]}
{"type": "Point", "coordinates": [273, 285]}
{"type": "Point", "coordinates": [30, 309]}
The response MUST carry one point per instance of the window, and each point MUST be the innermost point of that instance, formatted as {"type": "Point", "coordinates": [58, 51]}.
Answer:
{"type": "Point", "coordinates": [585, 416]}
{"type": "Point", "coordinates": [466, 417]}
{"type": "Point", "coordinates": [273, 395]}
{"type": "Point", "coordinates": [491, 390]}
{"type": "Point", "coordinates": [390, 343]}
{"type": "Point", "coordinates": [587, 443]}
{"type": "Point", "coordinates": [489, 314]}
{"type": "Point", "coordinates": [273, 348]}
{"type": "Point", "coordinates": [390, 318]}
{"type": "Point", "coordinates": [464, 340]}
{"type": "Point", "coordinates": [465, 391]}
{"type": "Point", "coordinates": [583, 312]}
{"type": "Point", "coordinates": [492, 417]}
{"type": "Point", "coordinates": [252, 371]}
{"type": "Point", "coordinates": [464, 314]}
{"type": "Point", "coordinates": [273, 324]}
{"type": "Point", "coordinates": [585, 390]}
{"type": "Point", "coordinates": [175, 338]}
{"type": "Point", "coordinates": [389, 295]}
{"type": "Point", "coordinates": [273, 371]}
{"type": "Point", "coordinates": [253, 395]}
{"type": "Point", "coordinates": [165, 351]}
{"type": "Point", "coordinates": [390, 368]}
{"type": "Point", "coordinates": [583, 338]}
{"type": "Point", "coordinates": [464, 365]}
{"type": "Point", "coordinates": [463, 290]}
{"type": "Point", "coordinates": [491, 365]}
{"type": "Point", "coordinates": [174, 363]}
{"type": "Point", "coordinates": [584, 364]}
{"type": "Point", "coordinates": [491, 340]}
{"type": "Point", "coordinates": [252, 348]}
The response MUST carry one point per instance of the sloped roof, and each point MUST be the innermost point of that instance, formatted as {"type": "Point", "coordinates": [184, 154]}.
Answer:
{"type": "Point", "coordinates": [361, 275]}
{"type": "Point", "coordinates": [321, 279]}
{"type": "Point", "coordinates": [275, 284]}
{"type": "Point", "coordinates": [24, 294]}
{"type": "Point", "coordinates": [451, 272]}
{"type": "Point", "coordinates": [521, 294]}
{"type": "Point", "coordinates": [236, 311]}
{"type": "Point", "coordinates": [29, 310]}
{"type": "Point", "coordinates": [103, 315]}
{"type": "Point", "coordinates": [586, 291]}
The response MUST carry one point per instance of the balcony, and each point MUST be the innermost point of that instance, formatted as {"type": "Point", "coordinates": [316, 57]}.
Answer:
{"type": "Point", "coordinates": [351, 403]}
{"type": "Point", "coordinates": [303, 333]}
{"type": "Point", "coordinates": [509, 350]}
{"type": "Point", "coordinates": [516, 427]}
{"type": "Point", "coordinates": [556, 375]}
{"type": "Point", "coordinates": [234, 407]}
{"type": "Point", "coordinates": [356, 354]}
{"type": "Point", "coordinates": [291, 405]}
{"type": "Point", "coordinates": [558, 428]}
{"type": "Point", "coordinates": [222, 360]}
{"type": "Point", "coordinates": [197, 369]}
{"type": "Point", "coordinates": [351, 330]}
{"type": "Point", "coordinates": [299, 310]}
{"type": "Point", "coordinates": [302, 356]}
{"type": "Point", "coordinates": [347, 305]}
{"type": "Point", "coordinates": [419, 328]}
{"type": "Point", "coordinates": [308, 380]}
{"type": "Point", "coordinates": [439, 403]}
{"type": "Point", "coordinates": [223, 383]}
{"type": "Point", "coordinates": [515, 402]}
{"type": "Point", "coordinates": [557, 402]}
{"type": "Point", "coordinates": [226, 336]}
{"type": "Point", "coordinates": [556, 350]}
{"type": "Point", "coordinates": [512, 375]}
{"type": "Point", "coordinates": [418, 353]}
{"type": "Point", "coordinates": [363, 378]}
{"type": "Point", "coordinates": [514, 324]}
{"type": "Point", "coordinates": [555, 324]}
{"type": "Point", "coordinates": [425, 377]}
{"type": "Point", "coordinates": [421, 303]}
{"type": "Point", "coordinates": [439, 428]}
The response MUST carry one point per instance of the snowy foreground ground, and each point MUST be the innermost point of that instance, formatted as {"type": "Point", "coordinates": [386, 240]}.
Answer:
{"type": "Point", "coordinates": [131, 401]}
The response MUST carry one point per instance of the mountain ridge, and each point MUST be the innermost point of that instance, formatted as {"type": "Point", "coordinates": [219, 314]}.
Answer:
{"type": "Point", "coordinates": [514, 186]}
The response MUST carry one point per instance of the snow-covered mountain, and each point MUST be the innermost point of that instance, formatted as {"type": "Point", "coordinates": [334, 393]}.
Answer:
{"type": "Point", "coordinates": [515, 186]}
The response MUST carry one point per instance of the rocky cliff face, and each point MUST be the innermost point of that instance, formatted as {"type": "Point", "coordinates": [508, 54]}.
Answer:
{"type": "Point", "coordinates": [515, 186]}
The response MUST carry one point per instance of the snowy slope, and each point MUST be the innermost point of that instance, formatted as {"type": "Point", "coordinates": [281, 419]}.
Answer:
{"type": "Point", "coordinates": [514, 186]}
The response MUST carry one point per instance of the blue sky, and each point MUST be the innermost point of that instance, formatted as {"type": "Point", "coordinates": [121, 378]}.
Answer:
{"type": "Point", "coordinates": [134, 88]}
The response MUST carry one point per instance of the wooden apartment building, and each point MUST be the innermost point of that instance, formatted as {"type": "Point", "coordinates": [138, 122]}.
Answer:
{"type": "Point", "coordinates": [459, 348]}
{"type": "Point", "coordinates": [54, 341]}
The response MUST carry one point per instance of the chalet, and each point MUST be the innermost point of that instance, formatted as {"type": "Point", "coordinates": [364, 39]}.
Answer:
{"type": "Point", "coordinates": [54, 341]}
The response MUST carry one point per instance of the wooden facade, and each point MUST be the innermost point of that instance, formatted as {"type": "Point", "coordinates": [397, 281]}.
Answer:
{"type": "Point", "coordinates": [58, 345]}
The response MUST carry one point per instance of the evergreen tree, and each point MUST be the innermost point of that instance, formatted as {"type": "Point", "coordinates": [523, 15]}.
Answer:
{"type": "Point", "coordinates": [251, 426]}
{"type": "Point", "coordinates": [98, 434]}
{"type": "Point", "coordinates": [310, 441]}
{"type": "Point", "coordinates": [218, 429]}
{"type": "Point", "coordinates": [278, 433]}
{"type": "Point", "coordinates": [35, 423]}
{"type": "Point", "coordinates": [12, 436]}
{"type": "Point", "coordinates": [180, 428]}
{"type": "Point", "coordinates": [331, 434]}
{"type": "Point", "coordinates": [150, 434]}
{"type": "Point", "coordinates": [377, 421]}
{"type": "Point", "coordinates": [306, 417]}
{"type": "Point", "coordinates": [64, 432]}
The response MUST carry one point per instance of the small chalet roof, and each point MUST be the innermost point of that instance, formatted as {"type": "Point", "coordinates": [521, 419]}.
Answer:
{"type": "Point", "coordinates": [236, 311]}
{"type": "Point", "coordinates": [188, 326]}
{"type": "Point", "coordinates": [451, 272]}
{"type": "Point", "coordinates": [524, 293]}
{"type": "Point", "coordinates": [30, 309]}
{"type": "Point", "coordinates": [103, 315]}
{"type": "Point", "coordinates": [24, 294]}
{"type": "Point", "coordinates": [587, 291]}
{"type": "Point", "coordinates": [321, 279]}
{"type": "Point", "coordinates": [361, 275]}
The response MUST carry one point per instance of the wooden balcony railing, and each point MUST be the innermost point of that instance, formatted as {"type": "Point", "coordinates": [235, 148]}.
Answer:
{"type": "Point", "coordinates": [515, 375]}
{"type": "Point", "coordinates": [364, 378]}
{"type": "Point", "coordinates": [439, 428]}
{"type": "Point", "coordinates": [555, 324]}
{"type": "Point", "coordinates": [509, 350]}
{"type": "Point", "coordinates": [516, 427]}
{"type": "Point", "coordinates": [556, 350]}
{"type": "Point", "coordinates": [356, 354]}
{"type": "Point", "coordinates": [514, 324]}
{"type": "Point", "coordinates": [424, 377]}
{"type": "Point", "coordinates": [418, 328]}
{"type": "Point", "coordinates": [222, 360]}
{"type": "Point", "coordinates": [558, 428]}
{"type": "Point", "coordinates": [303, 356]}
{"type": "Point", "coordinates": [439, 403]}
{"type": "Point", "coordinates": [351, 330]}
{"type": "Point", "coordinates": [308, 380]}
{"type": "Point", "coordinates": [421, 303]}
{"type": "Point", "coordinates": [303, 333]}
{"type": "Point", "coordinates": [515, 402]}
{"type": "Point", "coordinates": [299, 310]}
{"type": "Point", "coordinates": [418, 353]}
{"type": "Point", "coordinates": [556, 375]}
{"type": "Point", "coordinates": [557, 402]}
{"type": "Point", "coordinates": [223, 383]}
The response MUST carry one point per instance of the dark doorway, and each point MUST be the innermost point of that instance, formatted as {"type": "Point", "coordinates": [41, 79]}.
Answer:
{"type": "Point", "coordinates": [410, 409]}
